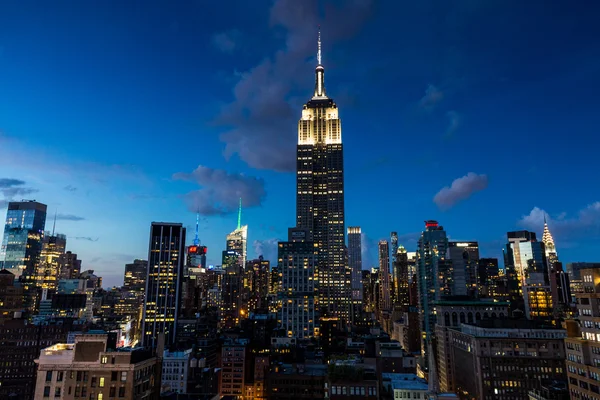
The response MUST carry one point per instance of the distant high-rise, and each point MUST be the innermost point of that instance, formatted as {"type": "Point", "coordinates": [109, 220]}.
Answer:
{"type": "Point", "coordinates": [232, 285]}
{"type": "Point", "coordinates": [238, 239]}
{"type": "Point", "coordinates": [385, 303]}
{"type": "Point", "coordinates": [23, 233]}
{"type": "Point", "coordinates": [527, 272]}
{"type": "Point", "coordinates": [465, 263]}
{"type": "Point", "coordinates": [525, 254]}
{"type": "Point", "coordinates": [394, 251]}
{"type": "Point", "coordinates": [551, 254]}
{"type": "Point", "coordinates": [431, 259]}
{"type": "Point", "coordinates": [48, 270]}
{"type": "Point", "coordinates": [258, 272]}
{"type": "Point", "coordinates": [70, 266]}
{"type": "Point", "coordinates": [488, 275]}
{"type": "Point", "coordinates": [355, 261]}
{"type": "Point", "coordinates": [163, 283]}
{"type": "Point", "coordinates": [320, 195]}
{"type": "Point", "coordinates": [135, 275]}
{"type": "Point", "coordinates": [297, 260]}
{"type": "Point", "coordinates": [401, 278]}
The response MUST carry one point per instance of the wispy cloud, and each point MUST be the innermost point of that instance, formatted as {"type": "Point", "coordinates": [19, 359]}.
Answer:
{"type": "Point", "coordinates": [454, 121]}
{"type": "Point", "coordinates": [39, 160]}
{"type": "Point", "coordinates": [87, 238]}
{"type": "Point", "coordinates": [433, 96]}
{"type": "Point", "coordinates": [220, 190]}
{"type": "Point", "coordinates": [10, 188]}
{"type": "Point", "coordinates": [460, 189]}
{"type": "Point", "coordinates": [265, 101]}
{"type": "Point", "coordinates": [228, 41]}
{"type": "Point", "coordinates": [68, 217]}
{"type": "Point", "coordinates": [70, 188]}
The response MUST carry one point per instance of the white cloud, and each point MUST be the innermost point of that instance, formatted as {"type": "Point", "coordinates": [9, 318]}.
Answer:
{"type": "Point", "coordinates": [460, 189]}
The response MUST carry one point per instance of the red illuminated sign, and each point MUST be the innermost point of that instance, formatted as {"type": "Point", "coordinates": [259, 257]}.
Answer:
{"type": "Point", "coordinates": [197, 250]}
{"type": "Point", "coordinates": [431, 224]}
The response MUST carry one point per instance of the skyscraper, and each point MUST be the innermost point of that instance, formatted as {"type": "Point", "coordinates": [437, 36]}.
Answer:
{"type": "Point", "coordinates": [163, 283]}
{"type": "Point", "coordinates": [70, 266]}
{"type": "Point", "coordinates": [394, 251]}
{"type": "Point", "coordinates": [238, 239]}
{"type": "Point", "coordinates": [525, 254]}
{"type": "Point", "coordinates": [232, 285]}
{"type": "Point", "coordinates": [431, 259]}
{"type": "Point", "coordinates": [48, 270]}
{"type": "Point", "coordinates": [355, 261]}
{"type": "Point", "coordinates": [465, 263]}
{"type": "Point", "coordinates": [401, 279]}
{"type": "Point", "coordinates": [385, 303]}
{"type": "Point", "coordinates": [297, 260]}
{"type": "Point", "coordinates": [527, 272]}
{"type": "Point", "coordinates": [135, 276]}
{"type": "Point", "coordinates": [320, 194]}
{"type": "Point", "coordinates": [551, 254]}
{"type": "Point", "coordinates": [23, 233]}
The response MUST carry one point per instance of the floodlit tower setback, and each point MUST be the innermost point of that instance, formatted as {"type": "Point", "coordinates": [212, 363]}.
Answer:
{"type": "Point", "coordinates": [320, 194]}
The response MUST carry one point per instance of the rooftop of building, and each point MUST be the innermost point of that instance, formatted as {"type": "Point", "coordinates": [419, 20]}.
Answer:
{"type": "Point", "coordinates": [511, 323]}
{"type": "Point", "coordinates": [469, 301]}
{"type": "Point", "coordinates": [404, 381]}
{"type": "Point", "coordinates": [87, 348]}
{"type": "Point", "coordinates": [301, 369]}
{"type": "Point", "coordinates": [513, 328]}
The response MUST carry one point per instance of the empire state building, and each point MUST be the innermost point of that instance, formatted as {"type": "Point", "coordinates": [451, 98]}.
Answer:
{"type": "Point", "coordinates": [320, 195]}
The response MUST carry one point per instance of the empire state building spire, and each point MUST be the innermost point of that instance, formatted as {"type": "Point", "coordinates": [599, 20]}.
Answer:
{"type": "Point", "coordinates": [320, 196]}
{"type": "Point", "coordinates": [319, 73]}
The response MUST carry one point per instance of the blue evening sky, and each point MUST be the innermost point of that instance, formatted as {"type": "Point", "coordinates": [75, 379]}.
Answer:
{"type": "Point", "coordinates": [119, 113]}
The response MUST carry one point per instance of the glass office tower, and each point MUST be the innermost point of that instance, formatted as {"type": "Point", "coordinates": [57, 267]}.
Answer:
{"type": "Point", "coordinates": [23, 233]}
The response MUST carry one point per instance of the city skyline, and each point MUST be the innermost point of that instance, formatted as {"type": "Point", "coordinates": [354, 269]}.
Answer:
{"type": "Point", "coordinates": [45, 151]}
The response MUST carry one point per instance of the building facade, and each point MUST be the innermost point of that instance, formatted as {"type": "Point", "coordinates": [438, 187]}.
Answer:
{"type": "Point", "coordinates": [175, 368]}
{"type": "Point", "coordinates": [464, 257]}
{"type": "Point", "coordinates": [583, 342]}
{"type": "Point", "coordinates": [233, 368]}
{"type": "Point", "coordinates": [355, 260]}
{"type": "Point", "coordinates": [385, 301]}
{"type": "Point", "coordinates": [135, 276]}
{"type": "Point", "coordinates": [452, 313]}
{"type": "Point", "coordinates": [23, 234]}
{"type": "Point", "coordinates": [48, 269]}
{"type": "Point", "coordinates": [401, 278]}
{"type": "Point", "coordinates": [70, 266]}
{"type": "Point", "coordinates": [89, 369]}
{"type": "Point", "coordinates": [299, 302]}
{"type": "Point", "coordinates": [163, 283]}
{"type": "Point", "coordinates": [505, 359]}
{"type": "Point", "coordinates": [320, 195]}
{"type": "Point", "coordinates": [431, 258]}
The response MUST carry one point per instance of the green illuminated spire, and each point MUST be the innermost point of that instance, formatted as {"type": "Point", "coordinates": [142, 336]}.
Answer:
{"type": "Point", "coordinates": [240, 215]}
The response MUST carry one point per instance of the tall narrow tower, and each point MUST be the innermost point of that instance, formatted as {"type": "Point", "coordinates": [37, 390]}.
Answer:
{"type": "Point", "coordinates": [320, 194]}
{"type": "Point", "coordinates": [550, 248]}
{"type": "Point", "coordinates": [166, 255]}
{"type": "Point", "coordinates": [238, 239]}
